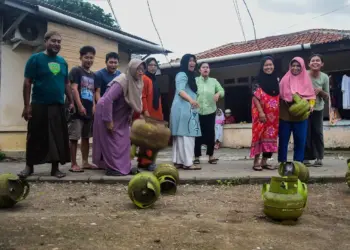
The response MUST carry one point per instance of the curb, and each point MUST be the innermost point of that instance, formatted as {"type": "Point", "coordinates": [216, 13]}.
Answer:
{"type": "Point", "coordinates": [247, 180]}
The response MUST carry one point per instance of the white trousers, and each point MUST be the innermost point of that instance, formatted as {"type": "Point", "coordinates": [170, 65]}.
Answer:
{"type": "Point", "coordinates": [183, 150]}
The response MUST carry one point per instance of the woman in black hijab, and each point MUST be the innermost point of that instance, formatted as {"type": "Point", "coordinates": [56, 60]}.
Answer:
{"type": "Point", "coordinates": [265, 115]}
{"type": "Point", "coordinates": [184, 118]}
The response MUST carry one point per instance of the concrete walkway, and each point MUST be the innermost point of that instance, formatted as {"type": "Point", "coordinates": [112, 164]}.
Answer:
{"type": "Point", "coordinates": [233, 166]}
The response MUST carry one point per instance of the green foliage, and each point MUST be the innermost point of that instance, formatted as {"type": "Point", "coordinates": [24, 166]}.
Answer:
{"type": "Point", "coordinates": [230, 182]}
{"type": "Point", "coordinates": [85, 9]}
{"type": "Point", "coordinates": [2, 156]}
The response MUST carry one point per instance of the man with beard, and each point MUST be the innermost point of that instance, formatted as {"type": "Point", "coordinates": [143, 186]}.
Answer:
{"type": "Point", "coordinates": [47, 137]}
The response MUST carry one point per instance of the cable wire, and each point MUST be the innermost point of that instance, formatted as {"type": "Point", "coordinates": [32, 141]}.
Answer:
{"type": "Point", "coordinates": [113, 13]}
{"type": "Point", "coordinates": [251, 18]}
{"type": "Point", "coordinates": [315, 17]}
{"type": "Point", "coordinates": [155, 27]}
{"type": "Point", "coordinates": [235, 4]}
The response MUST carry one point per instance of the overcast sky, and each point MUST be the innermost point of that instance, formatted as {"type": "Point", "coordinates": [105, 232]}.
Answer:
{"type": "Point", "coordinates": [192, 26]}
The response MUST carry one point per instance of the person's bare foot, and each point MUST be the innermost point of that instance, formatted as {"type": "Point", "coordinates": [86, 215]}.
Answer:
{"type": "Point", "coordinates": [27, 171]}
{"type": "Point", "coordinates": [90, 166]}
{"type": "Point", "coordinates": [75, 168]}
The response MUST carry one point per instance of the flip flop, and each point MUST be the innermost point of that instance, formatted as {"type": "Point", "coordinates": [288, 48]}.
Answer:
{"type": "Point", "coordinates": [257, 168]}
{"type": "Point", "coordinates": [196, 161]}
{"type": "Point", "coordinates": [213, 161]}
{"type": "Point", "coordinates": [269, 167]}
{"type": "Point", "coordinates": [92, 167]}
{"type": "Point", "coordinates": [58, 174]}
{"type": "Point", "coordinates": [193, 167]}
{"type": "Point", "coordinates": [76, 170]}
{"type": "Point", "coordinates": [178, 166]}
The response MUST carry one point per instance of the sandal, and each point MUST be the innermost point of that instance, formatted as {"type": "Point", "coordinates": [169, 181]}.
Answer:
{"type": "Point", "coordinates": [257, 168]}
{"type": "Point", "coordinates": [25, 173]}
{"type": "Point", "coordinates": [91, 167]}
{"type": "Point", "coordinates": [58, 174]}
{"type": "Point", "coordinates": [76, 169]}
{"type": "Point", "coordinates": [193, 167]}
{"type": "Point", "coordinates": [269, 167]}
{"type": "Point", "coordinates": [196, 161]}
{"type": "Point", "coordinates": [213, 161]}
{"type": "Point", "coordinates": [178, 166]}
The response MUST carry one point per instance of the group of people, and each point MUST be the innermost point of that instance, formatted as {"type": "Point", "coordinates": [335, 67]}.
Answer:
{"type": "Point", "coordinates": [272, 120]}
{"type": "Point", "coordinates": [102, 105]}
{"type": "Point", "coordinates": [98, 105]}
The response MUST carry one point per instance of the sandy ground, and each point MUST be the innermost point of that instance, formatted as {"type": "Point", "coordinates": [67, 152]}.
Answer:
{"type": "Point", "coordinates": [89, 216]}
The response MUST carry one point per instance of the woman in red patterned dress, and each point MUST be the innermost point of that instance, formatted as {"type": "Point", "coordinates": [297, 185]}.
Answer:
{"type": "Point", "coordinates": [265, 115]}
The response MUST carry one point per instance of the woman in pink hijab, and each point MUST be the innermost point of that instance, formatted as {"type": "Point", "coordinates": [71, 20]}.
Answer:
{"type": "Point", "coordinates": [295, 81]}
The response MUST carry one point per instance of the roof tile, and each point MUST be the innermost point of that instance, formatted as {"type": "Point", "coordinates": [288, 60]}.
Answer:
{"type": "Point", "coordinates": [313, 36]}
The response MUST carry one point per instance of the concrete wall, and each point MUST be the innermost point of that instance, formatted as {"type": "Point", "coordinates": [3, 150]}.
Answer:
{"type": "Point", "coordinates": [123, 61]}
{"type": "Point", "coordinates": [240, 136]}
{"type": "Point", "coordinates": [12, 125]}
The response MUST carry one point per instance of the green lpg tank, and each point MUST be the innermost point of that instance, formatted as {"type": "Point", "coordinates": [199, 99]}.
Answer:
{"type": "Point", "coordinates": [144, 189]}
{"type": "Point", "coordinates": [168, 177]}
{"type": "Point", "coordinates": [12, 190]}
{"type": "Point", "coordinates": [294, 168]}
{"type": "Point", "coordinates": [284, 198]}
{"type": "Point", "coordinates": [347, 176]}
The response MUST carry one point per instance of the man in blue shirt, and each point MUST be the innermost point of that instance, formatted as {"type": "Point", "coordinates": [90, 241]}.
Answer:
{"type": "Point", "coordinates": [106, 75]}
{"type": "Point", "coordinates": [47, 136]}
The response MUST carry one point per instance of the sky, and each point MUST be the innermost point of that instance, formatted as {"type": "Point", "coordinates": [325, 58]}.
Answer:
{"type": "Point", "coordinates": [193, 26]}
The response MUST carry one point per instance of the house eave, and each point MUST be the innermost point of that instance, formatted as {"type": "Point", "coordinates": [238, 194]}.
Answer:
{"type": "Point", "coordinates": [134, 45]}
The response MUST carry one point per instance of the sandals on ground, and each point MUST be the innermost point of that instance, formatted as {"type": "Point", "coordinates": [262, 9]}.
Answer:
{"type": "Point", "coordinates": [268, 167]}
{"type": "Point", "coordinates": [193, 167]}
{"type": "Point", "coordinates": [257, 168]}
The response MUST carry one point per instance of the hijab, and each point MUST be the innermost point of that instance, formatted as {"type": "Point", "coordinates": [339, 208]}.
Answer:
{"type": "Point", "coordinates": [132, 87]}
{"type": "Point", "coordinates": [220, 117]}
{"type": "Point", "coordinates": [156, 89]}
{"type": "Point", "coordinates": [268, 82]}
{"type": "Point", "coordinates": [190, 74]}
{"type": "Point", "coordinates": [300, 84]}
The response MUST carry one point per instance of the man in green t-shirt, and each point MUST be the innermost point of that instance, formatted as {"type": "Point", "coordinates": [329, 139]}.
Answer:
{"type": "Point", "coordinates": [47, 138]}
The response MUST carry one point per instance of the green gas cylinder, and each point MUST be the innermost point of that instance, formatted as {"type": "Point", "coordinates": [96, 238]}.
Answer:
{"type": "Point", "coordinates": [12, 190]}
{"type": "Point", "coordinates": [168, 177]}
{"type": "Point", "coordinates": [294, 168]}
{"type": "Point", "coordinates": [347, 176]}
{"type": "Point", "coordinates": [284, 198]}
{"type": "Point", "coordinates": [144, 189]}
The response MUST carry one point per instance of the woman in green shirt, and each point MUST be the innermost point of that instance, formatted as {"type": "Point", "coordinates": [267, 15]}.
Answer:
{"type": "Point", "coordinates": [209, 92]}
{"type": "Point", "coordinates": [314, 142]}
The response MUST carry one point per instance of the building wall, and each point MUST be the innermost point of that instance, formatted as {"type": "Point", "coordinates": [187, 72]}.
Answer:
{"type": "Point", "coordinates": [73, 39]}
{"type": "Point", "coordinates": [240, 136]}
{"type": "Point", "coordinates": [12, 125]}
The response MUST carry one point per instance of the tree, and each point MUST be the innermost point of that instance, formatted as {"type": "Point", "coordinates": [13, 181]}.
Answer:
{"type": "Point", "coordinates": [85, 9]}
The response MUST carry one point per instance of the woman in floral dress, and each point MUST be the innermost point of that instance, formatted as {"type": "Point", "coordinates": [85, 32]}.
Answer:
{"type": "Point", "coordinates": [265, 115]}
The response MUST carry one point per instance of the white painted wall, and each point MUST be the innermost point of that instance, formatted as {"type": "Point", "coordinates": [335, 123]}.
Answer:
{"type": "Point", "coordinates": [11, 98]}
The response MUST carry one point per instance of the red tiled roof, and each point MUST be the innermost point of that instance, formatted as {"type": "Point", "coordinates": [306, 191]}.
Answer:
{"type": "Point", "coordinates": [314, 36]}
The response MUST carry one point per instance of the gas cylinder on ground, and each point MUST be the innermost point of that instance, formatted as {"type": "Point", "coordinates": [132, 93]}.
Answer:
{"type": "Point", "coordinates": [284, 198]}
{"type": "Point", "coordinates": [144, 189]}
{"type": "Point", "coordinates": [347, 175]}
{"type": "Point", "coordinates": [12, 190]}
{"type": "Point", "coordinates": [294, 168]}
{"type": "Point", "coordinates": [168, 177]}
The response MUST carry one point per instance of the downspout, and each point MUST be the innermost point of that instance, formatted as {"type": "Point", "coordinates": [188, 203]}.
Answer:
{"type": "Point", "coordinates": [299, 47]}
{"type": "Point", "coordinates": [51, 14]}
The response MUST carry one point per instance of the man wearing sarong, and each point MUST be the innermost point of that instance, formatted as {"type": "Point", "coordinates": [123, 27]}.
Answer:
{"type": "Point", "coordinates": [47, 136]}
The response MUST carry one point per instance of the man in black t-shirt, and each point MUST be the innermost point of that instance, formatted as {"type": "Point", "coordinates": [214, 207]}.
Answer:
{"type": "Point", "coordinates": [80, 125]}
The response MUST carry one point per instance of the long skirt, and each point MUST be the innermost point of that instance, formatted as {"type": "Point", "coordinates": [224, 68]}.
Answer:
{"type": "Point", "coordinates": [207, 124]}
{"type": "Point", "coordinates": [47, 136]}
{"type": "Point", "coordinates": [183, 150]}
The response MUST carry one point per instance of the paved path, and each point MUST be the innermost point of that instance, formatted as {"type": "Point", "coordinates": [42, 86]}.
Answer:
{"type": "Point", "coordinates": [233, 166]}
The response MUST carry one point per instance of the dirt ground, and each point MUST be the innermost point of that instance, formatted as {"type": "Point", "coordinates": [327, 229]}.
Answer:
{"type": "Point", "coordinates": [90, 216]}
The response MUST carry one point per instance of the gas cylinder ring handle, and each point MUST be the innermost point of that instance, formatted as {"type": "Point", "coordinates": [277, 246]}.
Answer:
{"type": "Point", "coordinates": [283, 184]}
{"type": "Point", "coordinates": [25, 191]}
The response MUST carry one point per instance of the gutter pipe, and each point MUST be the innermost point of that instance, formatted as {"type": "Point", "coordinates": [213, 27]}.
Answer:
{"type": "Point", "coordinates": [264, 52]}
